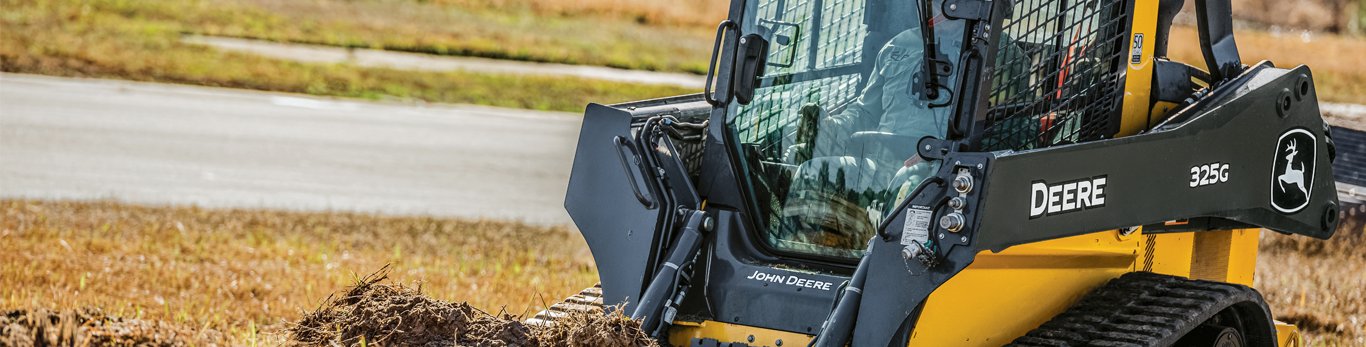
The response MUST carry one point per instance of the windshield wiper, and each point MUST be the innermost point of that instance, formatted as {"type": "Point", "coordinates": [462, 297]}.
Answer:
{"type": "Point", "coordinates": [934, 64]}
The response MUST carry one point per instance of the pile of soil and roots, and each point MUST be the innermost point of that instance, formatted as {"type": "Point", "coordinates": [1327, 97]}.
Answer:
{"type": "Point", "coordinates": [373, 313]}
{"type": "Point", "coordinates": [91, 327]}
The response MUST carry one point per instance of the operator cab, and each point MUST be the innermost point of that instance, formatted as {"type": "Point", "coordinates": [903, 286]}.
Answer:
{"type": "Point", "coordinates": [828, 143]}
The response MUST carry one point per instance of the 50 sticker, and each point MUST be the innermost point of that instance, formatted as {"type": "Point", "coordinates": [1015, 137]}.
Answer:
{"type": "Point", "coordinates": [1207, 174]}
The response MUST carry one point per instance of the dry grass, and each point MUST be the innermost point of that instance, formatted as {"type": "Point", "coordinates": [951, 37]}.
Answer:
{"type": "Point", "coordinates": [696, 13]}
{"type": "Point", "coordinates": [1318, 15]}
{"type": "Point", "coordinates": [241, 272]}
{"type": "Point", "coordinates": [140, 40]}
{"type": "Point", "coordinates": [1339, 74]}
{"type": "Point", "coordinates": [1318, 285]}
{"type": "Point", "coordinates": [494, 29]}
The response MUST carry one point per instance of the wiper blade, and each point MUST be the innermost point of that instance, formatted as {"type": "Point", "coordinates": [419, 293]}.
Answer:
{"type": "Point", "coordinates": [932, 67]}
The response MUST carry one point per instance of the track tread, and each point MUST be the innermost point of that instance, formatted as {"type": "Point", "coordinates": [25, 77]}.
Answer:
{"type": "Point", "coordinates": [1138, 309]}
{"type": "Point", "coordinates": [588, 300]}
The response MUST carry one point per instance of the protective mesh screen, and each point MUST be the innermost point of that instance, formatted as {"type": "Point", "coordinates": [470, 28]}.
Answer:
{"type": "Point", "coordinates": [1058, 74]}
{"type": "Point", "coordinates": [834, 26]}
{"type": "Point", "coordinates": [691, 154]}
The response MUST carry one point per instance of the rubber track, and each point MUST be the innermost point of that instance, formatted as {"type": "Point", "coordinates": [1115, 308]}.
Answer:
{"type": "Point", "coordinates": [587, 301]}
{"type": "Point", "coordinates": [1142, 309]}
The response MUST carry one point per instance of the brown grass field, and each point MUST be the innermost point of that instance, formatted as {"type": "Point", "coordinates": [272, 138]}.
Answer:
{"type": "Point", "coordinates": [243, 272]}
{"type": "Point", "coordinates": [1339, 75]}
{"type": "Point", "coordinates": [1318, 285]}
{"type": "Point", "coordinates": [140, 40]}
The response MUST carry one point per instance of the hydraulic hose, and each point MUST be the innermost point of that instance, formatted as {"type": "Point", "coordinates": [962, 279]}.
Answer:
{"type": "Point", "coordinates": [653, 302]}
{"type": "Point", "coordinates": [840, 325]}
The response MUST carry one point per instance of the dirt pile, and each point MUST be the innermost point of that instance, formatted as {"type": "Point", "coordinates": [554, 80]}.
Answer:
{"type": "Point", "coordinates": [374, 313]}
{"type": "Point", "coordinates": [91, 327]}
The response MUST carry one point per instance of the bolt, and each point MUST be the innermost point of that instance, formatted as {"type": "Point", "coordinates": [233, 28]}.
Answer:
{"type": "Point", "coordinates": [963, 239]}
{"type": "Point", "coordinates": [957, 203]}
{"type": "Point", "coordinates": [941, 236]}
{"type": "Point", "coordinates": [953, 222]}
{"type": "Point", "coordinates": [963, 184]}
{"type": "Point", "coordinates": [742, 40]}
{"type": "Point", "coordinates": [953, 7]}
{"type": "Point", "coordinates": [979, 166]}
{"type": "Point", "coordinates": [1330, 216]}
{"type": "Point", "coordinates": [751, 338]}
{"type": "Point", "coordinates": [779, 342]}
{"type": "Point", "coordinates": [708, 224]}
{"type": "Point", "coordinates": [927, 147]}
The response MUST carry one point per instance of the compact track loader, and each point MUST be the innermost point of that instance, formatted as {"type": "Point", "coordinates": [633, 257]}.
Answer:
{"type": "Point", "coordinates": [954, 172]}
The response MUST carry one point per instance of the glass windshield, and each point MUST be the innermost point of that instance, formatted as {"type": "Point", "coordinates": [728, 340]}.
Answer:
{"type": "Point", "coordinates": [828, 143]}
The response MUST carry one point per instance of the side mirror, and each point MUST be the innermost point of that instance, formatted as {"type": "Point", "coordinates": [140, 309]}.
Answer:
{"type": "Point", "coordinates": [750, 58]}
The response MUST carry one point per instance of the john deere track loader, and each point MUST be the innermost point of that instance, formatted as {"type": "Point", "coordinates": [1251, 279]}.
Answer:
{"type": "Point", "coordinates": [955, 172]}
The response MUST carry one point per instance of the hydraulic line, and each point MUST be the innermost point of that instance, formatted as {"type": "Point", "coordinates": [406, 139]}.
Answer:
{"type": "Point", "coordinates": [840, 324]}
{"type": "Point", "coordinates": [653, 303]}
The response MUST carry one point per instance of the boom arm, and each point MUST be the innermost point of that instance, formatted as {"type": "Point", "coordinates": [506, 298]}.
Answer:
{"type": "Point", "coordinates": [1020, 197]}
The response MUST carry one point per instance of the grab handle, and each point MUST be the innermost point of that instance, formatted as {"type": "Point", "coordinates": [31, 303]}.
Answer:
{"type": "Point", "coordinates": [631, 174]}
{"type": "Point", "coordinates": [711, 64]}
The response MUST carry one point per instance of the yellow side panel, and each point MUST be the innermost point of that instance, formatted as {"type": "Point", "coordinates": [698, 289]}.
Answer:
{"type": "Point", "coordinates": [1001, 296]}
{"type": "Point", "coordinates": [1225, 256]}
{"type": "Point", "coordinates": [1160, 111]}
{"type": "Point", "coordinates": [1287, 335]}
{"type": "Point", "coordinates": [1138, 82]}
{"type": "Point", "coordinates": [682, 334]}
{"type": "Point", "coordinates": [1209, 255]}
{"type": "Point", "coordinates": [1168, 253]}
{"type": "Point", "coordinates": [1242, 257]}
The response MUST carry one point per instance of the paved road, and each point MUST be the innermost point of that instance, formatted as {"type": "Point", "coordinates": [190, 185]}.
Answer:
{"type": "Point", "coordinates": [64, 138]}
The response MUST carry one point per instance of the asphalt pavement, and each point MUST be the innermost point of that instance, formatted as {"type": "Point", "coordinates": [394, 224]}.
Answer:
{"type": "Point", "coordinates": [81, 139]}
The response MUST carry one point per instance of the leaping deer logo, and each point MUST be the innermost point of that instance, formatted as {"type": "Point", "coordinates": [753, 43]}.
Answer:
{"type": "Point", "coordinates": [1292, 175]}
